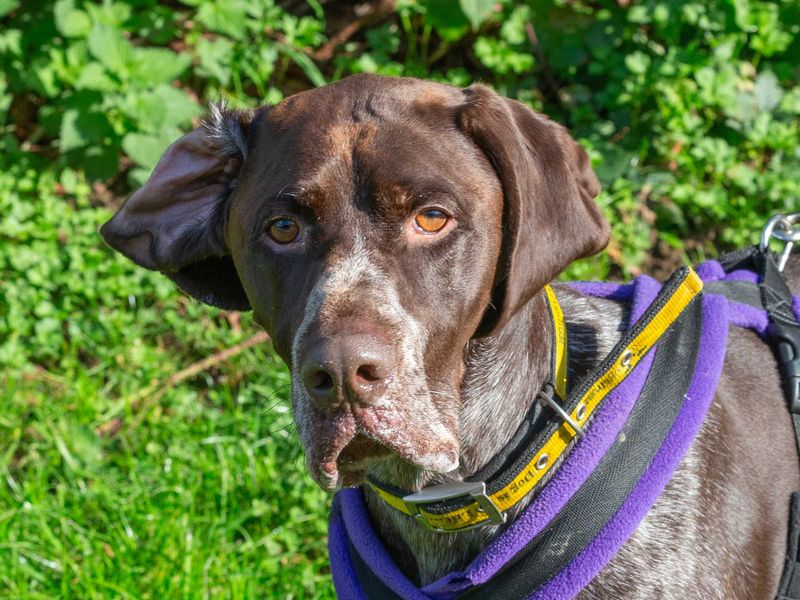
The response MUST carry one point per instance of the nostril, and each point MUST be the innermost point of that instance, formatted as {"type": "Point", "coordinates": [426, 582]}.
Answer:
{"type": "Point", "coordinates": [320, 381]}
{"type": "Point", "coordinates": [367, 374]}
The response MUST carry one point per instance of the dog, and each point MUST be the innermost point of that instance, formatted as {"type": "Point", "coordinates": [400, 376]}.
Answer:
{"type": "Point", "coordinates": [394, 236]}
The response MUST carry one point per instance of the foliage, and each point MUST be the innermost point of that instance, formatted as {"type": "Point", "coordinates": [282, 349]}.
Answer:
{"type": "Point", "coordinates": [690, 111]}
{"type": "Point", "coordinates": [197, 492]}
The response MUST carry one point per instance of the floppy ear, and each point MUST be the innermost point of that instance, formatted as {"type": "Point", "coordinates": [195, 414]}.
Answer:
{"type": "Point", "coordinates": [550, 218]}
{"type": "Point", "coordinates": [176, 222]}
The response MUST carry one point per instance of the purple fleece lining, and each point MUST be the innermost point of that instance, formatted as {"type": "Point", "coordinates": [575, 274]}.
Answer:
{"type": "Point", "coordinates": [342, 570]}
{"type": "Point", "coordinates": [750, 317]}
{"type": "Point", "coordinates": [710, 270]}
{"type": "Point", "coordinates": [359, 530]}
{"type": "Point", "coordinates": [711, 354]}
{"type": "Point", "coordinates": [743, 276]}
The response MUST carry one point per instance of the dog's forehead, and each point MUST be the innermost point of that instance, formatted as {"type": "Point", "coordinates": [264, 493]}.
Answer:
{"type": "Point", "coordinates": [362, 97]}
{"type": "Point", "coordinates": [384, 143]}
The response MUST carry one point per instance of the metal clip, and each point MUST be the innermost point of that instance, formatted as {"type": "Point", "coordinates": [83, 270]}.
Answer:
{"type": "Point", "coordinates": [784, 228]}
{"type": "Point", "coordinates": [547, 396]}
{"type": "Point", "coordinates": [448, 491]}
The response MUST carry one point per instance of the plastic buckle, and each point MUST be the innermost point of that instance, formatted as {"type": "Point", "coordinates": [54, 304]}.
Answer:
{"type": "Point", "coordinates": [788, 340]}
{"type": "Point", "coordinates": [448, 491]}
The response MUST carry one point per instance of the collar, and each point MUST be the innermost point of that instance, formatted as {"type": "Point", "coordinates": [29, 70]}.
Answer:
{"type": "Point", "coordinates": [524, 463]}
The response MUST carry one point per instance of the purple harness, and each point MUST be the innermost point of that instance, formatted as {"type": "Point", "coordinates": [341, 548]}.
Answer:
{"type": "Point", "coordinates": [362, 568]}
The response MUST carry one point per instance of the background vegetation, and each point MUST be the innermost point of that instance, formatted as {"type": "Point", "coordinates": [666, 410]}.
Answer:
{"type": "Point", "coordinates": [131, 463]}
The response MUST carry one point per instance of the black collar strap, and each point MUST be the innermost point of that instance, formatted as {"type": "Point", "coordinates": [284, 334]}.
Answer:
{"type": "Point", "coordinates": [461, 506]}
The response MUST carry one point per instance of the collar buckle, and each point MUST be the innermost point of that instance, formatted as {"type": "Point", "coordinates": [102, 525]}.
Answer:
{"type": "Point", "coordinates": [448, 491]}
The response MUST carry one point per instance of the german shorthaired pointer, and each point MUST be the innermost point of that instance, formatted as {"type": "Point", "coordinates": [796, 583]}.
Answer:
{"type": "Point", "coordinates": [394, 237]}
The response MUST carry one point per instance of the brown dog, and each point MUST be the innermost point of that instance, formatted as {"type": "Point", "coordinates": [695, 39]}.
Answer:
{"type": "Point", "coordinates": [393, 236]}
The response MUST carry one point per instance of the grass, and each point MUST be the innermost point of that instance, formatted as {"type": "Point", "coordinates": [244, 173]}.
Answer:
{"type": "Point", "coordinates": [192, 490]}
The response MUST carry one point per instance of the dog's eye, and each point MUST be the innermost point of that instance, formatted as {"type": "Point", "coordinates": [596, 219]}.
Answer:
{"type": "Point", "coordinates": [430, 220]}
{"type": "Point", "coordinates": [283, 230]}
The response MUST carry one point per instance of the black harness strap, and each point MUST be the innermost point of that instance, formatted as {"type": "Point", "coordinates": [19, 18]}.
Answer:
{"type": "Point", "coordinates": [784, 336]}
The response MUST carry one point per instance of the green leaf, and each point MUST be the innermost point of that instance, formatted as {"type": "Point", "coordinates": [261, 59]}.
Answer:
{"type": "Point", "coordinates": [82, 124]}
{"type": "Point", "coordinates": [637, 62]}
{"type": "Point", "coordinates": [109, 47]}
{"type": "Point", "coordinates": [10, 41]}
{"type": "Point", "coordinates": [477, 11]}
{"type": "Point", "coordinates": [146, 149]}
{"type": "Point", "coordinates": [448, 18]}
{"type": "Point", "coordinates": [71, 135]}
{"type": "Point", "coordinates": [224, 16]}
{"type": "Point", "coordinates": [768, 91]}
{"type": "Point", "coordinates": [6, 6]}
{"type": "Point", "coordinates": [180, 109]}
{"type": "Point", "coordinates": [304, 62]}
{"type": "Point", "coordinates": [100, 161]}
{"type": "Point", "coordinates": [215, 59]}
{"type": "Point", "coordinates": [94, 77]}
{"type": "Point", "coordinates": [70, 21]}
{"type": "Point", "coordinates": [151, 66]}
{"type": "Point", "coordinates": [5, 99]}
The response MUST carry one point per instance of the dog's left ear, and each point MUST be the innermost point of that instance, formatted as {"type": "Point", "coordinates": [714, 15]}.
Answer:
{"type": "Point", "coordinates": [549, 218]}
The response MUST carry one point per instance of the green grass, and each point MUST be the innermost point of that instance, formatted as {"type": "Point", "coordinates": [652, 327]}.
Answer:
{"type": "Point", "coordinates": [192, 491]}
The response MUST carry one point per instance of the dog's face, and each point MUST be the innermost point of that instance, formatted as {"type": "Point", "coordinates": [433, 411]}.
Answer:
{"type": "Point", "coordinates": [374, 226]}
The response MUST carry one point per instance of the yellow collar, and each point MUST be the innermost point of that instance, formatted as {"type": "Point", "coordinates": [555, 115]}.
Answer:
{"type": "Point", "coordinates": [460, 506]}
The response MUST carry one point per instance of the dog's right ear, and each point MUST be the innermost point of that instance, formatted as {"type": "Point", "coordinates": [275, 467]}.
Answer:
{"type": "Point", "coordinates": [176, 222]}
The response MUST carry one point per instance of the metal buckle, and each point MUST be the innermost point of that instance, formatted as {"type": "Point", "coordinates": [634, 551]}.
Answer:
{"type": "Point", "coordinates": [449, 491]}
{"type": "Point", "coordinates": [547, 395]}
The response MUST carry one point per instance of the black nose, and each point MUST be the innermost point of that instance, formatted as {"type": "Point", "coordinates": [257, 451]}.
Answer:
{"type": "Point", "coordinates": [348, 368]}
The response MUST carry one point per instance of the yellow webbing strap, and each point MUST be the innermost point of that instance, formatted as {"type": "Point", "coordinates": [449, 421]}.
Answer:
{"type": "Point", "coordinates": [560, 334]}
{"type": "Point", "coordinates": [554, 447]}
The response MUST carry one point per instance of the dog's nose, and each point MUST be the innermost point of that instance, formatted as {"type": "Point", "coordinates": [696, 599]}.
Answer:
{"type": "Point", "coordinates": [351, 368]}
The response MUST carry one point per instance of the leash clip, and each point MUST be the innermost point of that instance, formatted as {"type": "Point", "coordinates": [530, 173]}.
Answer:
{"type": "Point", "coordinates": [449, 491]}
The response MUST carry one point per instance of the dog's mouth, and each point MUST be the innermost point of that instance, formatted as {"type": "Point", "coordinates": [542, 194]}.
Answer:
{"type": "Point", "coordinates": [357, 456]}
{"type": "Point", "coordinates": [341, 447]}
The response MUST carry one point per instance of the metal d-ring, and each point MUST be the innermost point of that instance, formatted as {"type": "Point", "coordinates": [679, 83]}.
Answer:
{"type": "Point", "coordinates": [551, 402]}
{"type": "Point", "coordinates": [785, 229]}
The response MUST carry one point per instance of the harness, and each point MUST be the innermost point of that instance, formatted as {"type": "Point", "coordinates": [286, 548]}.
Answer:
{"type": "Point", "coordinates": [616, 438]}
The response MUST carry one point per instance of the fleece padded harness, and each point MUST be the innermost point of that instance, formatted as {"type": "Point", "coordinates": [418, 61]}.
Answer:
{"type": "Point", "coordinates": [642, 407]}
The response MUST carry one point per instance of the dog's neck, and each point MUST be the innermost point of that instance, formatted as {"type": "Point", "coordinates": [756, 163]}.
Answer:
{"type": "Point", "coordinates": [503, 375]}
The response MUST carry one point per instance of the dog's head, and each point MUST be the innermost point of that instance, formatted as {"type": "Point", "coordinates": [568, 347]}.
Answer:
{"type": "Point", "coordinates": [374, 226]}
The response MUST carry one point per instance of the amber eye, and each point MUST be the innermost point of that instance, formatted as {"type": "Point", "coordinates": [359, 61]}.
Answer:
{"type": "Point", "coordinates": [283, 230]}
{"type": "Point", "coordinates": [430, 220]}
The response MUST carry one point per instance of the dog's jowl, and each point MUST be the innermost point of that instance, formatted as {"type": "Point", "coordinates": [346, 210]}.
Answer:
{"type": "Point", "coordinates": [396, 238]}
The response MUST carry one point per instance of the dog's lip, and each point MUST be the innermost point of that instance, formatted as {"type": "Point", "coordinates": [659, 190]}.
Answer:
{"type": "Point", "coordinates": [356, 457]}
{"type": "Point", "coordinates": [352, 440]}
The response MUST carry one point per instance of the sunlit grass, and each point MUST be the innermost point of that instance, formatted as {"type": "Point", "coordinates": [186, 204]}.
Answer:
{"type": "Point", "coordinates": [192, 491]}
